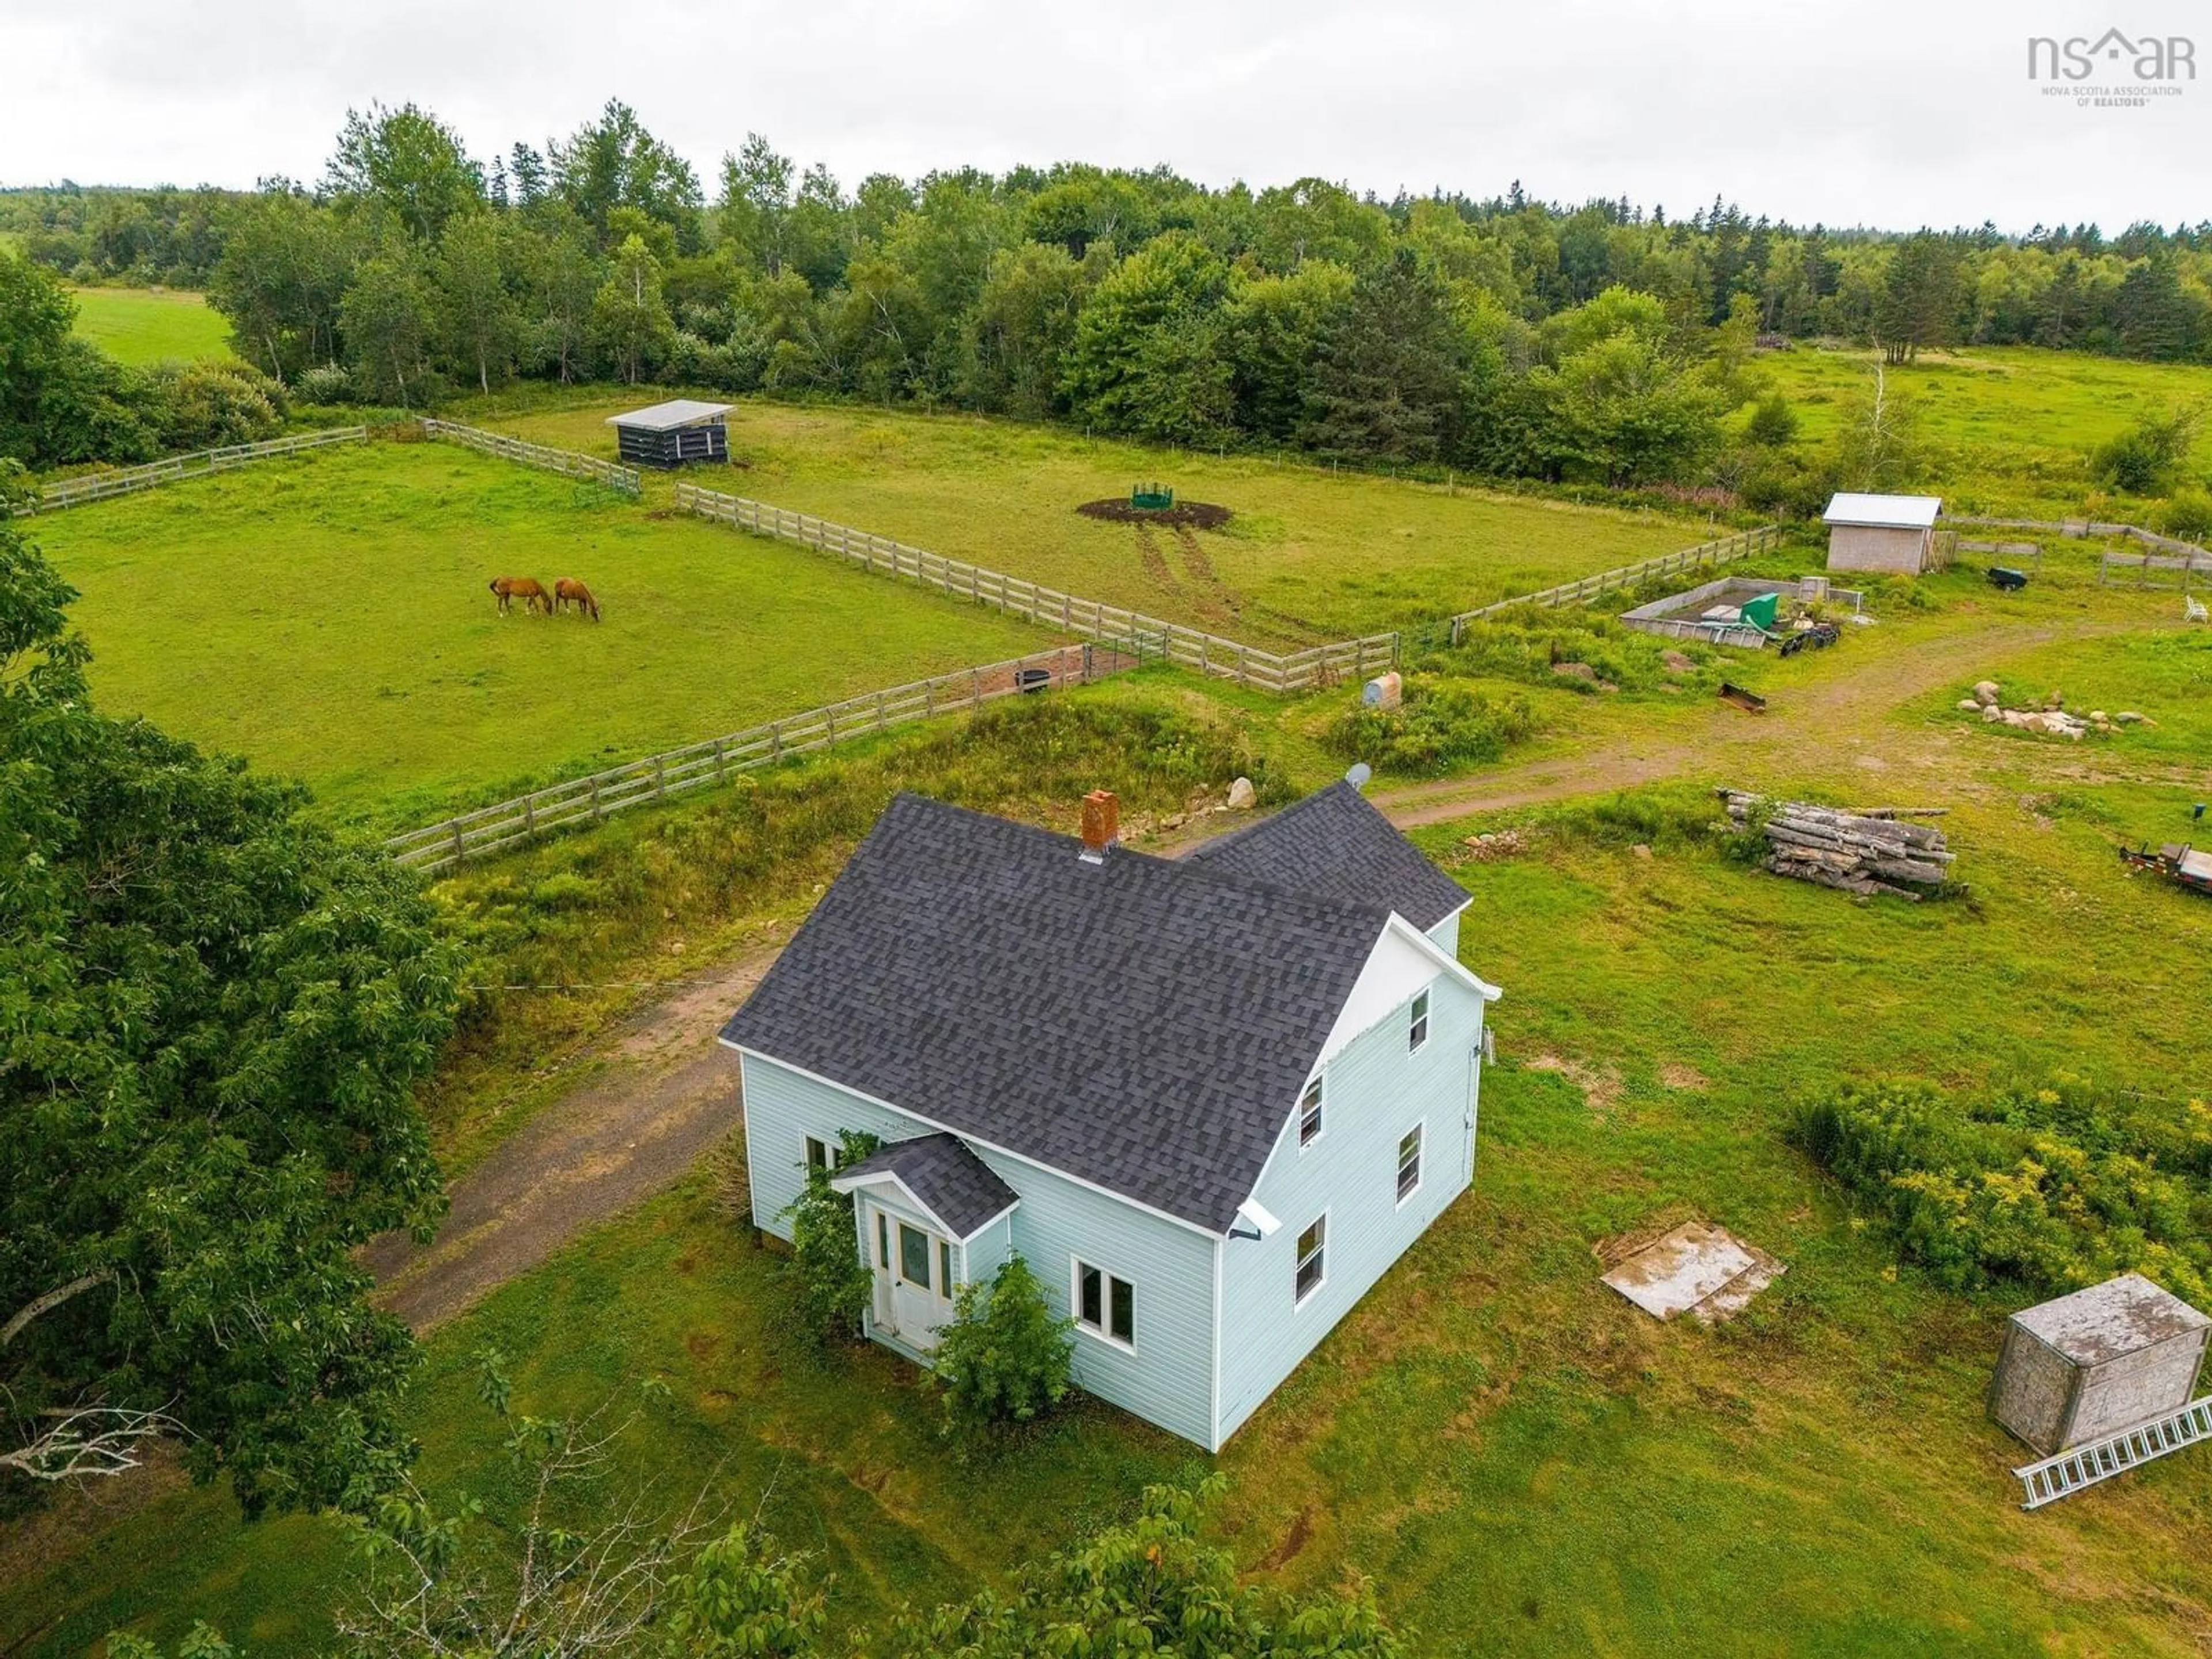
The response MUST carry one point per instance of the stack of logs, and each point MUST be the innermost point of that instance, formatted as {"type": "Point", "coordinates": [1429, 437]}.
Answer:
{"type": "Point", "coordinates": [1877, 850]}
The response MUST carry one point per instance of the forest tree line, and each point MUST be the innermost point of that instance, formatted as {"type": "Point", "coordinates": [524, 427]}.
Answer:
{"type": "Point", "coordinates": [1507, 337]}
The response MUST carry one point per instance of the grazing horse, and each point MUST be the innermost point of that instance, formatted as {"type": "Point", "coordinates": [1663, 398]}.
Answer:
{"type": "Point", "coordinates": [569, 591]}
{"type": "Point", "coordinates": [528, 589]}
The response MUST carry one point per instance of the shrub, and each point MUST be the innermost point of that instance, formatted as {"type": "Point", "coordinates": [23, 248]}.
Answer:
{"type": "Point", "coordinates": [1005, 1357]}
{"type": "Point", "coordinates": [2187, 515]}
{"type": "Point", "coordinates": [1530, 649]}
{"type": "Point", "coordinates": [1439, 727]}
{"type": "Point", "coordinates": [2141, 460]}
{"type": "Point", "coordinates": [832, 1281]}
{"type": "Point", "coordinates": [1773, 423]}
{"type": "Point", "coordinates": [208, 406]}
{"type": "Point", "coordinates": [323, 385]}
{"type": "Point", "coordinates": [2052, 1187]}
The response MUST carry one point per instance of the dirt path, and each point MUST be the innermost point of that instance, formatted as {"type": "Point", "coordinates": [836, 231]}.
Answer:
{"type": "Point", "coordinates": [669, 1091]}
{"type": "Point", "coordinates": [1842, 715]}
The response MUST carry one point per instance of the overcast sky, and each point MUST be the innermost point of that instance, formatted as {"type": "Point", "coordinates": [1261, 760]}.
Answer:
{"type": "Point", "coordinates": [1893, 112]}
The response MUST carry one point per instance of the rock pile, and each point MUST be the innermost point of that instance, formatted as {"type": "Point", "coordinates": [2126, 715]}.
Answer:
{"type": "Point", "coordinates": [1871, 851]}
{"type": "Point", "coordinates": [1498, 844]}
{"type": "Point", "coordinates": [2052, 720]}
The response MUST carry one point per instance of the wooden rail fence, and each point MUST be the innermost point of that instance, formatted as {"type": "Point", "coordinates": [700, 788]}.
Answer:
{"type": "Point", "coordinates": [657, 777]}
{"type": "Point", "coordinates": [566, 462]}
{"type": "Point", "coordinates": [99, 486]}
{"type": "Point", "coordinates": [1725, 550]}
{"type": "Point", "coordinates": [1168, 641]}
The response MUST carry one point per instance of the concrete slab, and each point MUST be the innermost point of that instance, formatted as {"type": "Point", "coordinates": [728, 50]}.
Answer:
{"type": "Point", "coordinates": [1697, 1268]}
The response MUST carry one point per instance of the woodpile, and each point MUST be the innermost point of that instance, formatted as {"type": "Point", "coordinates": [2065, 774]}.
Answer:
{"type": "Point", "coordinates": [1877, 850]}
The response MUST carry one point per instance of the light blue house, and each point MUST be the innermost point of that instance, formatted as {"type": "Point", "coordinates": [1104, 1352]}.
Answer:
{"type": "Point", "coordinates": [1209, 1101]}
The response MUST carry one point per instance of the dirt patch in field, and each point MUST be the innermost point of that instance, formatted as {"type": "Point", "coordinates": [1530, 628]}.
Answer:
{"type": "Point", "coordinates": [1601, 1084]}
{"type": "Point", "coordinates": [1156, 564]}
{"type": "Point", "coordinates": [1295, 1538]}
{"type": "Point", "coordinates": [1196, 516]}
{"type": "Point", "coordinates": [1675, 1075]}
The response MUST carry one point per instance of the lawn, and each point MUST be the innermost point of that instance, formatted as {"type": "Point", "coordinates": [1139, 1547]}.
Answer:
{"type": "Point", "coordinates": [150, 325]}
{"type": "Point", "coordinates": [1307, 556]}
{"type": "Point", "coordinates": [2013, 426]}
{"type": "Point", "coordinates": [328, 617]}
{"type": "Point", "coordinates": [1519, 1461]}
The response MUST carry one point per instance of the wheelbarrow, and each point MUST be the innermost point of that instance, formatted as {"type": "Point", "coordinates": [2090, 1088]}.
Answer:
{"type": "Point", "coordinates": [2005, 577]}
{"type": "Point", "coordinates": [1750, 701]}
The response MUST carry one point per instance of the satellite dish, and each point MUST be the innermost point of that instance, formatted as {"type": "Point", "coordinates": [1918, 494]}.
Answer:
{"type": "Point", "coordinates": [1357, 777]}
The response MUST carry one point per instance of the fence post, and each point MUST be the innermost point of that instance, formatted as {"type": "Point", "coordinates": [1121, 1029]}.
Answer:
{"type": "Point", "coordinates": [880, 722]}
{"type": "Point", "coordinates": [529, 815]}
{"type": "Point", "coordinates": [719, 772]}
{"type": "Point", "coordinates": [596, 813]}
{"type": "Point", "coordinates": [460, 850]}
{"type": "Point", "coordinates": [661, 777]}
{"type": "Point", "coordinates": [775, 739]}
{"type": "Point", "coordinates": [975, 687]}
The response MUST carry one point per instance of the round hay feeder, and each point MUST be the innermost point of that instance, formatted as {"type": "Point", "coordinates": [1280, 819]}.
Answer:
{"type": "Point", "coordinates": [1151, 497]}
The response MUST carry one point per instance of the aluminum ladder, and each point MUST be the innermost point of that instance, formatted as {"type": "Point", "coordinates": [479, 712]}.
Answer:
{"type": "Point", "coordinates": [2058, 1477]}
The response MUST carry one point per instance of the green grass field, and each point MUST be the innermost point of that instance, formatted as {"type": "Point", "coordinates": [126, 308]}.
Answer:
{"type": "Point", "coordinates": [150, 326]}
{"type": "Point", "coordinates": [2011, 426]}
{"type": "Point", "coordinates": [328, 618]}
{"type": "Point", "coordinates": [1518, 1460]}
{"type": "Point", "coordinates": [1308, 557]}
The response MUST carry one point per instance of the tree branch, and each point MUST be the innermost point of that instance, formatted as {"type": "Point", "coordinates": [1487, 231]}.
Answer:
{"type": "Point", "coordinates": [54, 1299]}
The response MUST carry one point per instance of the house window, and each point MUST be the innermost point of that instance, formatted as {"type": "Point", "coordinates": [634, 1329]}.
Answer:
{"type": "Point", "coordinates": [883, 1241]}
{"type": "Point", "coordinates": [1417, 1029]}
{"type": "Point", "coordinates": [1310, 1113]}
{"type": "Point", "coordinates": [1105, 1305]}
{"type": "Point", "coordinates": [820, 1154]}
{"type": "Point", "coordinates": [914, 1255]}
{"type": "Point", "coordinates": [1313, 1256]}
{"type": "Point", "coordinates": [1409, 1163]}
{"type": "Point", "coordinates": [944, 1270]}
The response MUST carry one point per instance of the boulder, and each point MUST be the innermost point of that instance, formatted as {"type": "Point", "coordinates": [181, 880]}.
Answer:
{"type": "Point", "coordinates": [1241, 795]}
{"type": "Point", "coordinates": [1640, 850]}
{"type": "Point", "coordinates": [1985, 692]}
{"type": "Point", "coordinates": [1675, 663]}
{"type": "Point", "coordinates": [1969, 705]}
{"type": "Point", "coordinates": [1575, 671]}
{"type": "Point", "coordinates": [1992, 714]}
{"type": "Point", "coordinates": [2054, 701]}
{"type": "Point", "coordinates": [2127, 717]}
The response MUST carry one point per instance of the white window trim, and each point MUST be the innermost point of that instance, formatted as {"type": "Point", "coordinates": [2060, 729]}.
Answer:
{"type": "Point", "coordinates": [1299, 1299]}
{"type": "Point", "coordinates": [1101, 1332]}
{"type": "Point", "coordinates": [1425, 1018]}
{"type": "Point", "coordinates": [828, 1145]}
{"type": "Point", "coordinates": [1421, 1132]}
{"type": "Point", "coordinates": [1317, 1086]}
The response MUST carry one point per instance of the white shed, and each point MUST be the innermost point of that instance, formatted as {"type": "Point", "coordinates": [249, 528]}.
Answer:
{"type": "Point", "coordinates": [1894, 533]}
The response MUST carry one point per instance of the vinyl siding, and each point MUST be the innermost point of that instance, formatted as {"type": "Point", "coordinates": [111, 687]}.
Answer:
{"type": "Point", "coordinates": [1373, 1092]}
{"type": "Point", "coordinates": [1167, 1380]}
{"type": "Point", "coordinates": [1446, 933]}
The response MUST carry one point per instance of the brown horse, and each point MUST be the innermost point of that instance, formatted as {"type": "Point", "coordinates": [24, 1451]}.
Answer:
{"type": "Point", "coordinates": [528, 589]}
{"type": "Point", "coordinates": [569, 591]}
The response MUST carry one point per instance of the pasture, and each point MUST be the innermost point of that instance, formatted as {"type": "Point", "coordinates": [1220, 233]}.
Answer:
{"type": "Point", "coordinates": [329, 619]}
{"type": "Point", "coordinates": [2011, 427]}
{"type": "Point", "coordinates": [1517, 1460]}
{"type": "Point", "coordinates": [1308, 555]}
{"type": "Point", "coordinates": [142, 326]}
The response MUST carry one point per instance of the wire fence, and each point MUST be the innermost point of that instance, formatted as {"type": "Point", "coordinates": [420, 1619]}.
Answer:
{"type": "Point", "coordinates": [1726, 550]}
{"type": "Point", "coordinates": [1281, 672]}
{"type": "Point", "coordinates": [566, 462]}
{"type": "Point", "coordinates": [128, 481]}
{"type": "Point", "coordinates": [594, 798]}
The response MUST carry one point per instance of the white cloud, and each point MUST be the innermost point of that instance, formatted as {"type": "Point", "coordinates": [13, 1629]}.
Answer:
{"type": "Point", "coordinates": [1885, 112]}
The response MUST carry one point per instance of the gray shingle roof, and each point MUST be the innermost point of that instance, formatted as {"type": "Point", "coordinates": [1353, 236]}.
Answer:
{"type": "Point", "coordinates": [1141, 1025]}
{"type": "Point", "coordinates": [1336, 844]}
{"type": "Point", "coordinates": [957, 1186]}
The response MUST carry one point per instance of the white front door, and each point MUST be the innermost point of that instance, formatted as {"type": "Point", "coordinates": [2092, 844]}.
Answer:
{"type": "Point", "coordinates": [914, 1287]}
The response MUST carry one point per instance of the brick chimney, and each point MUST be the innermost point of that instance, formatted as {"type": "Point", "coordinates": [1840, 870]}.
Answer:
{"type": "Point", "coordinates": [1102, 825]}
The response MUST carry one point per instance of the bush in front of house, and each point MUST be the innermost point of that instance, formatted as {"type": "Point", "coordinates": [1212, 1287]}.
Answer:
{"type": "Point", "coordinates": [829, 1274]}
{"type": "Point", "coordinates": [2052, 1187]}
{"type": "Point", "coordinates": [1004, 1358]}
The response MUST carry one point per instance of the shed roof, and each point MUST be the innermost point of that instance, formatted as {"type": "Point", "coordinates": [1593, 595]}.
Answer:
{"type": "Point", "coordinates": [1335, 843]}
{"type": "Point", "coordinates": [1139, 1023]}
{"type": "Point", "coordinates": [946, 1177]}
{"type": "Point", "coordinates": [2122, 1315]}
{"type": "Point", "coordinates": [1883, 512]}
{"type": "Point", "coordinates": [666, 417]}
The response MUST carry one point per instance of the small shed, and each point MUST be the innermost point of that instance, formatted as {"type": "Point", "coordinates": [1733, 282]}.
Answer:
{"type": "Point", "coordinates": [670, 433]}
{"type": "Point", "coordinates": [1894, 533]}
{"type": "Point", "coordinates": [2089, 1366]}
